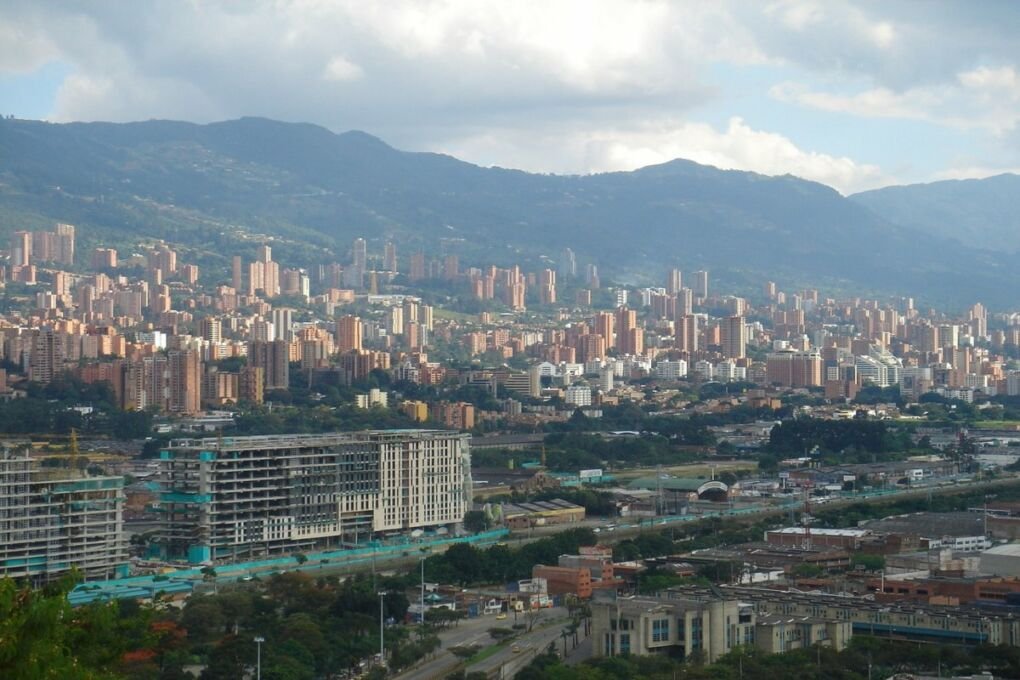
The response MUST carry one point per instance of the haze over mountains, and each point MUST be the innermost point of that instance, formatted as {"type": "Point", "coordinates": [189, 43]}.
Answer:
{"type": "Point", "coordinates": [947, 242]}
{"type": "Point", "coordinates": [981, 213]}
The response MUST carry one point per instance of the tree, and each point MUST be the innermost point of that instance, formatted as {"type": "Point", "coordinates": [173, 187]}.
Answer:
{"type": "Point", "coordinates": [41, 636]}
{"type": "Point", "coordinates": [868, 562]}
{"type": "Point", "coordinates": [203, 618]}
{"type": "Point", "coordinates": [476, 521]}
{"type": "Point", "coordinates": [531, 617]}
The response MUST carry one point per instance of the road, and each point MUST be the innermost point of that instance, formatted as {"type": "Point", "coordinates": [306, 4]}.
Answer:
{"type": "Point", "coordinates": [475, 632]}
{"type": "Point", "coordinates": [506, 662]}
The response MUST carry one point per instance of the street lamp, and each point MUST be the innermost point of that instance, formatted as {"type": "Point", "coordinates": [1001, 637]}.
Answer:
{"type": "Point", "coordinates": [421, 600]}
{"type": "Point", "coordinates": [382, 639]}
{"type": "Point", "coordinates": [258, 656]}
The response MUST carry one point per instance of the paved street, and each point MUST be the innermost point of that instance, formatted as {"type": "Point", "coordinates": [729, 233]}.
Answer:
{"type": "Point", "coordinates": [475, 632]}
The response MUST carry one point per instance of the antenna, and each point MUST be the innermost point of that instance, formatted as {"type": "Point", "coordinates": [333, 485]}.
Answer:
{"type": "Point", "coordinates": [806, 517]}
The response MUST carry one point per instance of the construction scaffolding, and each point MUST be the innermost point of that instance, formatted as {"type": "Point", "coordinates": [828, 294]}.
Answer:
{"type": "Point", "coordinates": [228, 499]}
{"type": "Point", "coordinates": [52, 521]}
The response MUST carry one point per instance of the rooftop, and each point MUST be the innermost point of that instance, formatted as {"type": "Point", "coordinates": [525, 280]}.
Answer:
{"type": "Point", "coordinates": [931, 524]}
{"type": "Point", "coordinates": [818, 531]}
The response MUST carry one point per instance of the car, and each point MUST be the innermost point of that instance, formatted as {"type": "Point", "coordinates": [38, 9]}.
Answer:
{"type": "Point", "coordinates": [501, 616]}
{"type": "Point", "coordinates": [516, 649]}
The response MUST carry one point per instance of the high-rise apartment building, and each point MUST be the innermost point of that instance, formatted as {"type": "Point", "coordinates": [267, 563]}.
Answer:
{"type": "Point", "coordinates": [567, 266]}
{"type": "Point", "coordinates": [211, 329]}
{"type": "Point", "coordinates": [674, 282]}
{"type": "Point", "coordinates": [184, 368]}
{"type": "Point", "coordinates": [417, 271]}
{"type": "Point", "coordinates": [451, 267]}
{"type": "Point", "coordinates": [244, 496]}
{"type": "Point", "coordinates": [390, 257]}
{"type": "Point", "coordinates": [626, 321]}
{"type": "Point", "coordinates": [547, 287]}
{"type": "Point", "coordinates": [235, 273]}
{"type": "Point", "coordinates": [605, 325]}
{"type": "Point", "coordinates": [274, 360]}
{"type": "Point", "coordinates": [283, 322]}
{"type": "Point", "coordinates": [794, 368]}
{"type": "Point", "coordinates": [686, 333]}
{"type": "Point", "coordinates": [104, 258]}
{"type": "Point", "coordinates": [251, 384]}
{"type": "Point", "coordinates": [349, 331]}
{"type": "Point", "coordinates": [21, 248]}
{"type": "Point", "coordinates": [53, 523]}
{"type": "Point", "coordinates": [355, 274]}
{"type": "Point", "coordinates": [47, 359]}
{"type": "Point", "coordinates": [701, 284]}
{"type": "Point", "coordinates": [64, 246]}
{"type": "Point", "coordinates": [733, 335]}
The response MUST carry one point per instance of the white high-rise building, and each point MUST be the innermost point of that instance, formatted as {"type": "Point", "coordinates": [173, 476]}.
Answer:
{"type": "Point", "coordinates": [244, 496]}
{"type": "Point", "coordinates": [577, 395]}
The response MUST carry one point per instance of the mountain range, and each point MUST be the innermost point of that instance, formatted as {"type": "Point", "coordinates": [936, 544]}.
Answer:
{"type": "Point", "coordinates": [237, 181]}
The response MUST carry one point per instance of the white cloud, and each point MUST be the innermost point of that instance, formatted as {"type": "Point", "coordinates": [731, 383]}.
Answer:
{"type": "Point", "coordinates": [603, 83]}
{"type": "Point", "coordinates": [340, 68]}
{"type": "Point", "coordinates": [982, 98]}
{"type": "Point", "coordinates": [23, 49]}
{"type": "Point", "coordinates": [738, 147]}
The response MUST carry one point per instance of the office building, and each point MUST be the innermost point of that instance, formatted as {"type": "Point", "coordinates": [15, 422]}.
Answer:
{"type": "Point", "coordinates": [243, 496]}
{"type": "Point", "coordinates": [707, 623]}
{"type": "Point", "coordinates": [58, 521]}
{"type": "Point", "coordinates": [700, 627]}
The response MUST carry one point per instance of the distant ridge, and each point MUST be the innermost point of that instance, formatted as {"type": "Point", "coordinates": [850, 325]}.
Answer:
{"type": "Point", "coordinates": [981, 213]}
{"type": "Point", "coordinates": [305, 183]}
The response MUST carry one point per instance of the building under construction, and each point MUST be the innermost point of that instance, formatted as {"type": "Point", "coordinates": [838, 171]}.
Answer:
{"type": "Point", "coordinates": [55, 520]}
{"type": "Point", "coordinates": [232, 498]}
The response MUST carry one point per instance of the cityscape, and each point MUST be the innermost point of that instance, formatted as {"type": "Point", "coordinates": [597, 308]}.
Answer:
{"type": "Point", "coordinates": [279, 401]}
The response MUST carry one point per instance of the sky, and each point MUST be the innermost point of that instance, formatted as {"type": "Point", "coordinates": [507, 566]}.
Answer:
{"type": "Point", "coordinates": [856, 95]}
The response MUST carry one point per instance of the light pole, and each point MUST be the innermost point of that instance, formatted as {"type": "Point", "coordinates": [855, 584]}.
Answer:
{"type": "Point", "coordinates": [258, 656]}
{"type": "Point", "coordinates": [421, 600]}
{"type": "Point", "coordinates": [382, 639]}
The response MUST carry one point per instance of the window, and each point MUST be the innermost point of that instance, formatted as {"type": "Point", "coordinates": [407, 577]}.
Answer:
{"type": "Point", "coordinates": [660, 630]}
{"type": "Point", "coordinates": [624, 643]}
